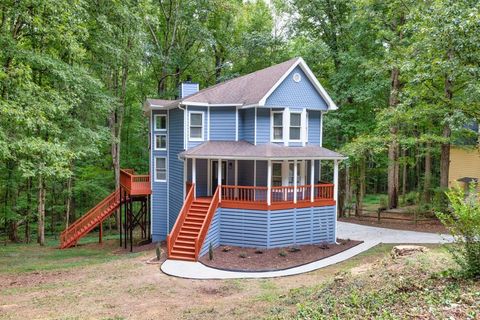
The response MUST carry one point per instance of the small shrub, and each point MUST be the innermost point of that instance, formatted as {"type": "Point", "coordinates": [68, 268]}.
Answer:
{"type": "Point", "coordinates": [463, 222]}
{"type": "Point", "coordinates": [411, 198]}
{"type": "Point", "coordinates": [242, 255]}
{"type": "Point", "coordinates": [439, 200]}
{"type": "Point", "coordinates": [282, 253]}
{"type": "Point", "coordinates": [158, 252]}
{"type": "Point", "coordinates": [294, 249]}
{"type": "Point", "coordinates": [210, 251]}
{"type": "Point", "coordinates": [383, 202]}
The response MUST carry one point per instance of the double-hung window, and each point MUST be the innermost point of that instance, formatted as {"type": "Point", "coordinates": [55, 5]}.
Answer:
{"type": "Point", "coordinates": [295, 126]}
{"type": "Point", "coordinates": [277, 174]}
{"type": "Point", "coordinates": [160, 141]}
{"type": "Point", "coordinates": [160, 122]}
{"type": "Point", "coordinates": [160, 169]}
{"type": "Point", "coordinates": [196, 126]}
{"type": "Point", "coordinates": [277, 124]}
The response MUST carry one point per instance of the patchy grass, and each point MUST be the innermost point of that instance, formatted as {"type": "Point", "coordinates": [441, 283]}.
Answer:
{"type": "Point", "coordinates": [403, 288]}
{"type": "Point", "coordinates": [17, 258]}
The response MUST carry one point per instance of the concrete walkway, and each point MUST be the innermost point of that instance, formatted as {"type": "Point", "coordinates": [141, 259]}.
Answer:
{"type": "Point", "coordinates": [371, 236]}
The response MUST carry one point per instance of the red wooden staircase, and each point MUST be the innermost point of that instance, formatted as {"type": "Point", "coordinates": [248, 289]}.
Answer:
{"type": "Point", "coordinates": [70, 236]}
{"type": "Point", "coordinates": [187, 236]}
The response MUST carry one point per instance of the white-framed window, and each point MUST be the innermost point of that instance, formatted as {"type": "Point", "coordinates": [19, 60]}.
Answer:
{"type": "Point", "coordinates": [291, 168]}
{"type": "Point", "coordinates": [160, 169]}
{"type": "Point", "coordinates": [160, 122]}
{"type": "Point", "coordinates": [196, 126]}
{"type": "Point", "coordinates": [160, 142]}
{"type": "Point", "coordinates": [276, 174]}
{"type": "Point", "coordinates": [295, 126]}
{"type": "Point", "coordinates": [277, 125]}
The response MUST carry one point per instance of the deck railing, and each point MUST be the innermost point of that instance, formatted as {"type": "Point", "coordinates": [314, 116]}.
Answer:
{"type": "Point", "coordinates": [279, 195]}
{"type": "Point", "coordinates": [135, 184]}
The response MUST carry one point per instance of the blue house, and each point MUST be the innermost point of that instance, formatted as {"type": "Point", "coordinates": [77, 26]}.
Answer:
{"type": "Point", "coordinates": [239, 163]}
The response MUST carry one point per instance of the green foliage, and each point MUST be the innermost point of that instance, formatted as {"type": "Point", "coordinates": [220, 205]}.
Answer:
{"type": "Point", "coordinates": [463, 222]}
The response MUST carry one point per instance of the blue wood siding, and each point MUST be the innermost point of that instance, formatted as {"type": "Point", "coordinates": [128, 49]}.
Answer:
{"type": "Point", "coordinates": [175, 166]}
{"type": "Point", "coordinates": [186, 89]}
{"type": "Point", "coordinates": [191, 144]}
{"type": "Point", "coordinates": [314, 127]}
{"type": "Point", "coordinates": [213, 235]}
{"type": "Point", "coordinates": [270, 229]}
{"type": "Point", "coordinates": [296, 94]}
{"type": "Point", "coordinates": [159, 189]}
{"type": "Point", "coordinates": [222, 123]}
{"type": "Point", "coordinates": [247, 125]}
{"type": "Point", "coordinates": [263, 125]}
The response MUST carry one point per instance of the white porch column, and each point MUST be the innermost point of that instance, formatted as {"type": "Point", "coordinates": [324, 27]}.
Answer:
{"type": "Point", "coordinates": [295, 182]}
{"type": "Point", "coordinates": [219, 181]}
{"type": "Point", "coordinates": [312, 180]}
{"type": "Point", "coordinates": [235, 194]}
{"type": "Point", "coordinates": [254, 179]}
{"type": "Point", "coordinates": [269, 182]}
{"type": "Point", "coordinates": [335, 180]}
{"type": "Point", "coordinates": [194, 177]}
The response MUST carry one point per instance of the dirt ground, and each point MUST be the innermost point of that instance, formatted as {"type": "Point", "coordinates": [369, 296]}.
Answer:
{"type": "Point", "coordinates": [130, 288]}
{"type": "Point", "coordinates": [433, 226]}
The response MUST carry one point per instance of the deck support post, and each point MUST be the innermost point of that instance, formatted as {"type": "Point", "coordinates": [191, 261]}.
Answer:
{"type": "Point", "coordinates": [219, 181]}
{"type": "Point", "coordinates": [120, 213]}
{"type": "Point", "coordinates": [312, 180]}
{"type": "Point", "coordinates": [194, 177]}
{"type": "Point", "coordinates": [295, 182]}
{"type": "Point", "coordinates": [269, 182]}
{"type": "Point", "coordinates": [100, 233]}
{"type": "Point", "coordinates": [335, 180]}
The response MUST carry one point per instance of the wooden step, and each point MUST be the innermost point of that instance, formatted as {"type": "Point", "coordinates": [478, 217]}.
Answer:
{"type": "Point", "coordinates": [194, 219]}
{"type": "Point", "coordinates": [193, 224]}
{"type": "Point", "coordinates": [190, 229]}
{"type": "Point", "coordinates": [187, 233]}
{"type": "Point", "coordinates": [187, 248]}
{"type": "Point", "coordinates": [184, 243]}
{"type": "Point", "coordinates": [180, 257]}
{"type": "Point", "coordinates": [197, 214]}
{"type": "Point", "coordinates": [181, 253]}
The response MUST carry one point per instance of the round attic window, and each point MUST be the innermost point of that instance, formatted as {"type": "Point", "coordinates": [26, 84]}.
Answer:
{"type": "Point", "coordinates": [297, 77]}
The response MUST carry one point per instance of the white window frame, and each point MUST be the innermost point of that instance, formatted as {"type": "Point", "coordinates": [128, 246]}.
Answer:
{"type": "Point", "coordinates": [302, 125]}
{"type": "Point", "coordinates": [155, 122]}
{"type": "Point", "coordinates": [157, 135]}
{"type": "Point", "coordinates": [155, 169]}
{"type": "Point", "coordinates": [190, 125]}
{"type": "Point", "coordinates": [272, 126]}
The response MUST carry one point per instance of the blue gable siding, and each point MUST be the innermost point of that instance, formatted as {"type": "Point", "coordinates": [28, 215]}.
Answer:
{"type": "Point", "coordinates": [175, 166]}
{"type": "Point", "coordinates": [263, 125]}
{"type": "Point", "coordinates": [296, 94]}
{"type": "Point", "coordinates": [222, 123]}
{"type": "Point", "coordinates": [159, 189]}
{"type": "Point", "coordinates": [247, 125]}
{"type": "Point", "coordinates": [314, 127]}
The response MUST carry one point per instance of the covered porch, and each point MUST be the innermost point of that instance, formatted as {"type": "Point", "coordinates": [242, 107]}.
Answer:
{"type": "Point", "coordinates": [262, 177]}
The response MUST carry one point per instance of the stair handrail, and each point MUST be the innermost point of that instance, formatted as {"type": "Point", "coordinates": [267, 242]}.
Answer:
{"type": "Point", "coordinates": [91, 214]}
{"type": "Point", "coordinates": [172, 236]}
{"type": "Point", "coordinates": [212, 208]}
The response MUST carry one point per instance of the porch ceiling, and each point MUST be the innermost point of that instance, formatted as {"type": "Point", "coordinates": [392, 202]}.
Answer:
{"type": "Point", "coordinates": [243, 150]}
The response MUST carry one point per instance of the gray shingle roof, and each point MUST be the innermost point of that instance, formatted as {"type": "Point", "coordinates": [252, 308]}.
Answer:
{"type": "Point", "coordinates": [244, 90]}
{"type": "Point", "coordinates": [246, 150]}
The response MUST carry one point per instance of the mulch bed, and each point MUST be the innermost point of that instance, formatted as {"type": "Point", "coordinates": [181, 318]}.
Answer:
{"type": "Point", "coordinates": [432, 226]}
{"type": "Point", "coordinates": [251, 259]}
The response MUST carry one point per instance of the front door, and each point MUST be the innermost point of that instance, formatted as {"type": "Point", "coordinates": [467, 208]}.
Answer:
{"type": "Point", "coordinates": [214, 177]}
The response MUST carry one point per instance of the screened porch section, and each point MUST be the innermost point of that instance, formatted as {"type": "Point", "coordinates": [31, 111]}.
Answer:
{"type": "Point", "coordinates": [262, 184]}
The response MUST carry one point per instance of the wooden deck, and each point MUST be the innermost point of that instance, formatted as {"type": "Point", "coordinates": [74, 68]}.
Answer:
{"type": "Point", "coordinates": [135, 184]}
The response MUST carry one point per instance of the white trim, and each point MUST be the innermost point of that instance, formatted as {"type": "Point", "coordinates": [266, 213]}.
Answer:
{"type": "Point", "coordinates": [219, 177]}
{"type": "Point", "coordinates": [286, 126]}
{"type": "Point", "coordinates": [155, 141]}
{"type": "Point", "coordinates": [155, 121]}
{"type": "Point", "coordinates": [206, 104]}
{"type": "Point", "coordinates": [335, 181]}
{"type": "Point", "coordinates": [303, 127]}
{"type": "Point", "coordinates": [255, 128]}
{"type": "Point", "coordinates": [269, 182]}
{"type": "Point", "coordinates": [321, 129]}
{"type": "Point", "coordinates": [236, 124]}
{"type": "Point", "coordinates": [295, 182]}
{"type": "Point", "coordinates": [151, 171]}
{"type": "Point", "coordinates": [266, 158]}
{"type": "Point", "coordinates": [300, 62]}
{"type": "Point", "coordinates": [194, 177]}
{"type": "Point", "coordinates": [155, 168]}
{"type": "Point", "coordinates": [208, 123]}
{"type": "Point", "coordinates": [312, 180]}
{"type": "Point", "coordinates": [272, 115]}
{"type": "Point", "coordinates": [167, 164]}
{"type": "Point", "coordinates": [202, 138]}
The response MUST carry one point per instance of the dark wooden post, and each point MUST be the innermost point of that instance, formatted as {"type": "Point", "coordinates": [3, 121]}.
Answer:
{"type": "Point", "coordinates": [100, 234]}
{"type": "Point", "coordinates": [121, 205]}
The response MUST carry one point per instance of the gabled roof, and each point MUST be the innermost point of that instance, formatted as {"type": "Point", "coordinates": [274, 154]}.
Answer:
{"type": "Point", "coordinates": [251, 89]}
{"type": "Point", "coordinates": [246, 150]}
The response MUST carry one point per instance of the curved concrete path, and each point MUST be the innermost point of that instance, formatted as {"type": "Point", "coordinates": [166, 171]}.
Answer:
{"type": "Point", "coordinates": [371, 236]}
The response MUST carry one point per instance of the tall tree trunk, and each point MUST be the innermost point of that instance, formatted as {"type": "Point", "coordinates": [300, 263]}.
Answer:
{"type": "Point", "coordinates": [341, 191]}
{"type": "Point", "coordinates": [445, 147]}
{"type": "Point", "coordinates": [41, 211]}
{"type": "Point", "coordinates": [29, 210]}
{"type": "Point", "coordinates": [427, 179]}
{"type": "Point", "coordinates": [68, 203]}
{"type": "Point", "coordinates": [393, 148]}
{"type": "Point", "coordinates": [404, 173]}
{"type": "Point", "coordinates": [360, 188]}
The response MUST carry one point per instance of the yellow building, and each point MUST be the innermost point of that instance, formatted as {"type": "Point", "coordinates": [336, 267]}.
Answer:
{"type": "Point", "coordinates": [464, 165]}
